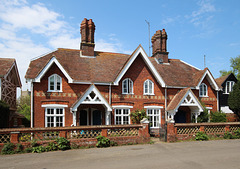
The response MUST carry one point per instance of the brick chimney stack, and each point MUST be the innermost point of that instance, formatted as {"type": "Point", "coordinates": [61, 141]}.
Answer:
{"type": "Point", "coordinates": [87, 31]}
{"type": "Point", "coordinates": [159, 46]}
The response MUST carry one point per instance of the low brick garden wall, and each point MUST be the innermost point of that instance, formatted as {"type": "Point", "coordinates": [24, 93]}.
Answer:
{"type": "Point", "coordinates": [81, 136]}
{"type": "Point", "coordinates": [185, 131]}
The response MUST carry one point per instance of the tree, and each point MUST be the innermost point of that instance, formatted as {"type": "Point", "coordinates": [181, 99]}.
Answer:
{"type": "Point", "coordinates": [234, 99]}
{"type": "Point", "coordinates": [235, 65]}
{"type": "Point", "coordinates": [24, 108]}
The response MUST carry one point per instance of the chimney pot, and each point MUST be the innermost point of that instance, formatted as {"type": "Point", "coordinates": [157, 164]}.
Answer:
{"type": "Point", "coordinates": [87, 31]}
{"type": "Point", "coordinates": [159, 46]}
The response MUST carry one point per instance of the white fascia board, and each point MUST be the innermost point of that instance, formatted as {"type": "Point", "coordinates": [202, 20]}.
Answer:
{"type": "Point", "coordinates": [179, 87]}
{"type": "Point", "coordinates": [16, 71]}
{"type": "Point", "coordinates": [49, 64]}
{"type": "Point", "coordinates": [96, 83]}
{"type": "Point", "coordinates": [122, 106]}
{"type": "Point", "coordinates": [54, 105]}
{"type": "Point", "coordinates": [146, 60]}
{"type": "Point", "coordinates": [190, 65]}
{"type": "Point", "coordinates": [198, 104]}
{"type": "Point", "coordinates": [207, 73]}
{"type": "Point", "coordinates": [153, 107]}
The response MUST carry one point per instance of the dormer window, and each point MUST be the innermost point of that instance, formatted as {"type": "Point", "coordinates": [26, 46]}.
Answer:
{"type": "Point", "coordinates": [127, 86]}
{"type": "Point", "coordinates": [55, 83]}
{"type": "Point", "coordinates": [229, 86]}
{"type": "Point", "coordinates": [203, 92]}
{"type": "Point", "coordinates": [148, 87]}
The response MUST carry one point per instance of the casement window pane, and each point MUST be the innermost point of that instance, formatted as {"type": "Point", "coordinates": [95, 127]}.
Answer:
{"type": "Point", "coordinates": [122, 116]}
{"type": "Point", "coordinates": [150, 87]}
{"type": "Point", "coordinates": [125, 86]}
{"type": "Point", "coordinates": [146, 87]}
{"type": "Point", "coordinates": [118, 119]}
{"type": "Point", "coordinates": [125, 111]}
{"type": "Point", "coordinates": [118, 111]}
{"type": "Point", "coordinates": [125, 120]}
{"type": "Point", "coordinates": [54, 117]}
{"type": "Point", "coordinates": [154, 117]}
{"type": "Point", "coordinates": [50, 121]}
{"type": "Point", "coordinates": [130, 86]}
{"type": "Point", "coordinates": [59, 121]}
{"type": "Point", "coordinates": [52, 83]}
{"type": "Point", "coordinates": [58, 83]}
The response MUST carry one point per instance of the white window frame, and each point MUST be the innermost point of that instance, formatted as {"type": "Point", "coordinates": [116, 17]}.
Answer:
{"type": "Point", "coordinates": [122, 115]}
{"type": "Point", "coordinates": [55, 76]}
{"type": "Point", "coordinates": [55, 107]}
{"type": "Point", "coordinates": [129, 86]}
{"type": "Point", "coordinates": [159, 115]}
{"type": "Point", "coordinates": [229, 86]}
{"type": "Point", "coordinates": [201, 89]}
{"type": "Point", "coordinates": [149, 83]}
{"type": "Point", "coordinates": [55, 115]}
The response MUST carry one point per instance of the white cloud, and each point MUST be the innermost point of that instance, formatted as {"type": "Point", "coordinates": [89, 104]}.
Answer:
{"type": "Point", "coordinates": [202, 16]}
{"type": "Point", "coordinates": [65, 41]}
{"type": "Point", "coordinates": [27, 31]}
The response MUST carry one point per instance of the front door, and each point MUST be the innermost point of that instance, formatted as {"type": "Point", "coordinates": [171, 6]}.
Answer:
{"type": "Point", "coordinates": [83, 117]}
{"type": "Point", "coordinates": [180, 117]}
{"type": "Point", "coordinates": [96, 117]}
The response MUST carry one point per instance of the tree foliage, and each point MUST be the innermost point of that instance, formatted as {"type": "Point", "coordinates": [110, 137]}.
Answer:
{"type": "Point", "coordinates": [234, 99]}
{"type": "Point", "coordinates": [235, 66]}
{"type": "Point", "coordinates": [218, 117]}
{"type": "Point", "coordinates": [23, 106]}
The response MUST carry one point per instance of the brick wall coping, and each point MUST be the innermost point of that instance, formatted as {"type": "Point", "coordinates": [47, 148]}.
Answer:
{"type": "Point", "coordinates": [206, 124]}
{"type": "Point", "coordinates": [9, 130]}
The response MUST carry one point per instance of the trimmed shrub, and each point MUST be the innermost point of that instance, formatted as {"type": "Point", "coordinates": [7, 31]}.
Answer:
{"type": "Point", "coordinates": [137, 116]}
{"type": "Point", "coordinates": [63, 143]}
{"type": "Point", "coordinates": [8, 148]}
{"type": "Point", "coordinates": [51, 147]}
{"type": "Point", "coordinates": [228, 135]}
{"type": "Point", "coordinates": [218, 117]}
{"type": "Point", "coordinates": [102, 141]}
{"type": "Point", "coordinates": [19, 148]}
{"type": "Point", "coordinates": [38, 149]}
{"type": "Point", "coordinates": [201, 136]}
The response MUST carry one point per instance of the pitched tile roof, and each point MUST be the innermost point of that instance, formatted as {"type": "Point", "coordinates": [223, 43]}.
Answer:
{"type": "Point", "coordinates": [220, 80]}
{"type": "Point", "coordinates": [104, 68]}
{"type": "Point", "coordinates": [178, 73]}
{"type": "Point", "coordinates": [5, 65]}
{"type": "Point", "coordinates": [177, 99]}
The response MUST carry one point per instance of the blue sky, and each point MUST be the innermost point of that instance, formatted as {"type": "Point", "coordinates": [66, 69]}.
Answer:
{"type": "Point", "coordinates": [30, 28]}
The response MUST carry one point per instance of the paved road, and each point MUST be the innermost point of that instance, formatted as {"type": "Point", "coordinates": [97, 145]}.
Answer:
{"type": "Point", "coordinates": [183, 155]}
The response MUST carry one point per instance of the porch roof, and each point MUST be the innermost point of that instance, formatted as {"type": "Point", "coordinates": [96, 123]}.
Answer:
{"type": "Point", "coordinates": [91, 96]}
{"type": "Point", "coordinates": [184, 97]}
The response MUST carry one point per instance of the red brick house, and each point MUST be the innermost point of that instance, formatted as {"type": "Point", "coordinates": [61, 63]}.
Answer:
{"type": "Point", "coordinates": [86, 87]}
{"type": "Point", "coordinates": [9, 81]}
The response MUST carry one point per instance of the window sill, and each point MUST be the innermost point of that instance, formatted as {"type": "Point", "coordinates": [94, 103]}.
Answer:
{"type": "Point", "coordinates": [51, 91]}
{"type": "Point", "coordinates": [203, 96]}
{"type": "Point", "coordinates": [128, 93]}
{"type": "Point", "coordinates": [148, 94]}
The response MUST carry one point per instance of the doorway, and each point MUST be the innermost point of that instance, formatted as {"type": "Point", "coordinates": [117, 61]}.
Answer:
{"type": "Point", "coordinates": [96, 117]}
{"type": "Point", "coordinates": [83, 118]}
